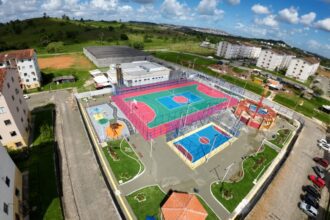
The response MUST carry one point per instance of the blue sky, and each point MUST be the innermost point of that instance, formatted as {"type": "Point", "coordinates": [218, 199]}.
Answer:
{"type": "Point", "coordinates": [301, 23]}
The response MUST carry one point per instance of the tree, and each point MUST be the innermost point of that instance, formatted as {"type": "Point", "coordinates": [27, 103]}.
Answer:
{"type": "Point", "coordinates": [123, 37]}
{"type": "Point", "coordinates": [110, 28]}
{"type": "Point", "coordinates": [54, 47]}
{"type": "Point", "coordinates": [318, 91]}
{"type": "Point", "coordinates": [138, 45]}
{"type": "Point", "coordinates": [44, 15]}
{"type": "Point", "coordinates": [82, 20]}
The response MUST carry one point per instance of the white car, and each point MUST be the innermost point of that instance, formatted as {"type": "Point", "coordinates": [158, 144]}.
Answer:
{"type": "Point", "coordinates": [308, 209]}
{"type": "Point", "coordinates": [324, 146]}
{"type": "Point", "coordinates": [323, 141]}
{"type": "Point", "coordinates": [25, 96]}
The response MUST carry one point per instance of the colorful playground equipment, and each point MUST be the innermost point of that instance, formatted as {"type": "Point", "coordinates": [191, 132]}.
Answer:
{"type": "Point", "coordinates": [255, 114]}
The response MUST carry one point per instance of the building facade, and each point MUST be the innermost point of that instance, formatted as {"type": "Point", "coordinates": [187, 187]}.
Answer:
{"type": "Point", "coordinates": [286, 61]}
{"type": "Point", "coordinates": [11, 194]}
{"type": "Point", "coordinates": [270, 60]}
{"type": "Point", "coordinates": [302, 68]}
{"type": "Point", "coordinates": [14, 112]}
{"type": "Point", "coordinates": [26, 62]}
{"type": "Point", "coordinates": [237, 50]}
{"type": "Point", "coordinates": [139, 73]}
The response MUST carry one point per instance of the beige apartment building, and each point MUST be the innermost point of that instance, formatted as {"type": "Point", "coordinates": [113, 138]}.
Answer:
{"type": "Point", "coordinates": [26, 63]}
{"type": "Point", "coordinates": [11, 184]}
{"type": "Point", "coordinates": [14, 112]}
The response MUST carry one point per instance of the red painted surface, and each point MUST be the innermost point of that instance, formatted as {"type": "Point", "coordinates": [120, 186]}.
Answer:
{"type": "Point", "coordinates": [146, 113]}
{"type": "Point", "coordinates": [184, 151]}
{"type": "Point", "coordinates": [141, 123]}
{"type": "Point", "coordinates": [180, 99]}
{"type": "Point", "coordinates": [204, 140]}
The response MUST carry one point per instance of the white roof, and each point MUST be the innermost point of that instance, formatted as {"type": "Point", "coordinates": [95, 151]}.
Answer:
{"type": "Point", "coordinates": [101, 79]}
{"type": "Point", "coordinates": [95, 72]}
{"type": "Point", "coordinates": [138, 68]}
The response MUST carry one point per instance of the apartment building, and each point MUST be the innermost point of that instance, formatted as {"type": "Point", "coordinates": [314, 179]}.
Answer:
{"type": "Point", "coordinates": [286, 61]}
{"type": "Point", "coordinates": [11, 183]}
{"type": "Point", "coordinates": [231, 50]}
{"type": "Point", "coordinates": [302, 68]}
{"type": "Point", "coordinates": [270, 60]}
{"type": "Point", "coordinates": [14, 113]}
{"type": "Point", "coordinates": [26, 62]}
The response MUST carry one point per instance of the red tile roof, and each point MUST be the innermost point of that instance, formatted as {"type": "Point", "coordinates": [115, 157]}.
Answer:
{"type": "Point", "coordinates": [183, 206]}
{"type": "Point", "coordinates": [17, 54]}
{"type": "Point", "coordinates": [3, 73]}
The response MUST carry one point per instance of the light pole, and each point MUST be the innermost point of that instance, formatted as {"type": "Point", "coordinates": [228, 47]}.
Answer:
{"type": "Point", "coordinates": [227, 171]}
{"type": "Point", "coordinates": [151, 142]}
{"type": "Point", "coordinates": [185, 120]}
{"type": "Point", "coordinates": [214, 139]}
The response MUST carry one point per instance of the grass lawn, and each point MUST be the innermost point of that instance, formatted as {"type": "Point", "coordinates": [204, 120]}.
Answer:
{"type": "Point", "coordinates": [124, 166]}
{"type": "Point", "coordinates": [40, 165]}
{"type": "Point", "coordinates": [281, 137]}
{"type": "Point", "coordinates": [151, 206]}
{"type": "Point", "coordinates": [253, 166]}
{"type": "Point", "coordinates": [308, 108]}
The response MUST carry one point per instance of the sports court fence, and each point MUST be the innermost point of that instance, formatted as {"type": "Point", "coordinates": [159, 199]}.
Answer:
{"type": "Point", "coordinates": [124, 90]}
{"type": "Point", "coordinates": [184, 118]}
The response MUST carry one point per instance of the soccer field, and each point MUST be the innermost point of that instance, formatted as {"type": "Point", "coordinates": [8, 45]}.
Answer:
{"type": "Point", "coordinates": [172, 106]}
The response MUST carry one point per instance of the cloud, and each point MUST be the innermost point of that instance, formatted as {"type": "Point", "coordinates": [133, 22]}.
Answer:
{"type": "Point", "coordinates": [269, 21]}
{"type": "Point", "coordinates": [313, 44]}
{"type": "Point", "coordinates": [289, 15]}
{"type": "Point", "coordinates": [323, 24]}
{"type": "Point", "coordinates": [307, 19]}
{"type": "Point", "coordinates": [233, 2]}
{"type": "Point", "coordinates": [260, 9]}
{"type": "Point", "coordinates": [144, 1]}
{"type": "Point", "coordinates": [52, 4]}
{"type": "Point", "coordinates": [208, 9]}
{"type": "Point", "coordinates": [106, 5]}
{"type": "Point", "coordinates": [174, 9]}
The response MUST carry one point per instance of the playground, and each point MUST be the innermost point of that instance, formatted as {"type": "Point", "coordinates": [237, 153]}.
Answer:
{"type": "Point", "coordinates": [200, 145]}
{"type": "Point", "coordinates": [156, 111]}
{"type": "Point", "coordinates": [104, 124]}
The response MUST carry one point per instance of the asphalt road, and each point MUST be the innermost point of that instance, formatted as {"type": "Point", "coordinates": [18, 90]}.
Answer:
{"type": "Point", "coordinates": [280, 201]}
{"type": "Point", "coordinates": [85, 194]}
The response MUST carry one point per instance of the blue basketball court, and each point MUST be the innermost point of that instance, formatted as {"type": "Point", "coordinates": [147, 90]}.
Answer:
{"type": "Point", "coordinates": [201, 143]}
{"type": "Point", "coordinates": [178, 100]}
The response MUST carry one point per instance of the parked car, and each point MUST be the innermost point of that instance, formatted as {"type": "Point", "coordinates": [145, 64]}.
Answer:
{"type": "Point", "coordinates": [319, 182]}
{"type": "Point", "coordinates": [323, 141]}
{"type": "Point", "coordinates": [324, 146]}
{"type": "Point", "coordinates": [323, 162]}
{"type": "Point", "coordinates": [308, 209]}
{"type": "Point", "coordinates": [320, 172]}
{"type": "Point", "coordinates": [311, 190]}
{"type": "Point", "coordinates": [310, 200]}
{"type": "Point", "coordinates": [25, 96]}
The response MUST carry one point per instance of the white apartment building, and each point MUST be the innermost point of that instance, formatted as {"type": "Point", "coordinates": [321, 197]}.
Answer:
{"type": "Point", "coordinates": [14, 112]}
{"type": "Point", "coordinates": [10, 188]}
{"type": "Point", "coordinates": [26, 62]}
{"type": "Point", "coordinates": [139, 73]}
{"type": "Point", "coordinates": [286, 61]}
{"type": "Point", "coordinates": [270, 60]}
{"type": "Point", "coordinates": [302, 68]}
{"type": "Point", "coordinates": [237, 50]}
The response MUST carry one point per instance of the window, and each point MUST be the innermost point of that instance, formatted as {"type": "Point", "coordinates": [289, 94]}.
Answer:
{"type": "Point", "coordinates": [20, 101]}
{"type": "Point", "coordinates": [17, 109]}
{"type": "Point", "coordinates": [30, 66]}
{"type": "Point", "coordinates": [27, 80]}
{"type": "Point", "coordinates": [17, 216]}
{"type": "Point", "coordinates": [8, 85]}
{"type": "Point", "coordinates": [12, 97]}
{"type": "Point", "coordinates": [16, 91]}
{"type": "Point", "coordinates": [12, 133]}
{"type": "Point", "coordinates": [2, 110]}
{"type": "Point", "coordinates": [25, 74]}
{"type": "Point", "coordinates": [22, 120]}
{"type": "Point", "coordinates": [33, 73]}
{"type": "Point", "coordinates": [0, 137]}
{"type": "Point", "coordinates": [34, 79]}
{"type": "Point", "coordinates": [5, 208]}
{"type": "Point", "coordinates": [17, 192]}
{"type": "Point", "coordinates": [24, 111]}
{"type": "Point", "coordinates": [18, 144]}
{"type": "Point", "coordinates": [7, 181]}
{"type": "Point", "coordinates": [12, 79]}
{"type": "Point", "coordinates": [7, 122]}
{"type": "Point", "coordinates": [19, 68]}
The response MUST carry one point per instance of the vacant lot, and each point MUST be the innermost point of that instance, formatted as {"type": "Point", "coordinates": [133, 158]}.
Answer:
{"type": "Point", "coordinates": [65, 61]}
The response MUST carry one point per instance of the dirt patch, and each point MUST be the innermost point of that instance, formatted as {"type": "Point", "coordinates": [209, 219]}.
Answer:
{"type": "Point", "coordinates": [65, 61]}
{"type": "Point", "coordinates": [323, 72]}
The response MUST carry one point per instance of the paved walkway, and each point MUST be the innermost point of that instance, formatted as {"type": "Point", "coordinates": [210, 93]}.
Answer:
{"type": "Point", "coordinates": [85, 194]}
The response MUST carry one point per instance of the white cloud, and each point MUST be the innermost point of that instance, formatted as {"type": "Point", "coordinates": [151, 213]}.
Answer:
{"type": "Point", "coordinates": [323, 24]}
{"type": "Point", "coordinates": [208, 10]}
{"type": "Point", "coordinates": [269, 20]}
{"type": "Point", "coordinates": [289, 15]}
{"type": "Point", "coordinates": [174, 9]}
{"type": "Point", "coordinates": [260, 9]}
{"type": "Point", "coordinates": [307, 19]}
{"type": "Point", "coordinates": [52, 4]}
{"type": "Point", "coordinates": [234, 2]}
{"type": "Point", "coordinates": [239, 25]}
{"type": "Point", "coordinates": [105, 5]}
{"type": "Point", "coordinates": [313, 44]}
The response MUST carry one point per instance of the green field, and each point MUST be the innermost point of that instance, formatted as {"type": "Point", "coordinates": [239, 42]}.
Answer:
{"type": "Point", "coordinates": [252, 166]}
{"type": "Point", "coordinates": [40, 164]}
{"type": "Point", "coordinates": [123, 165]}
{"type": "Point", "coordinates": [281, 137]}
{"type": "Point", "coordinates": [164, 115]}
